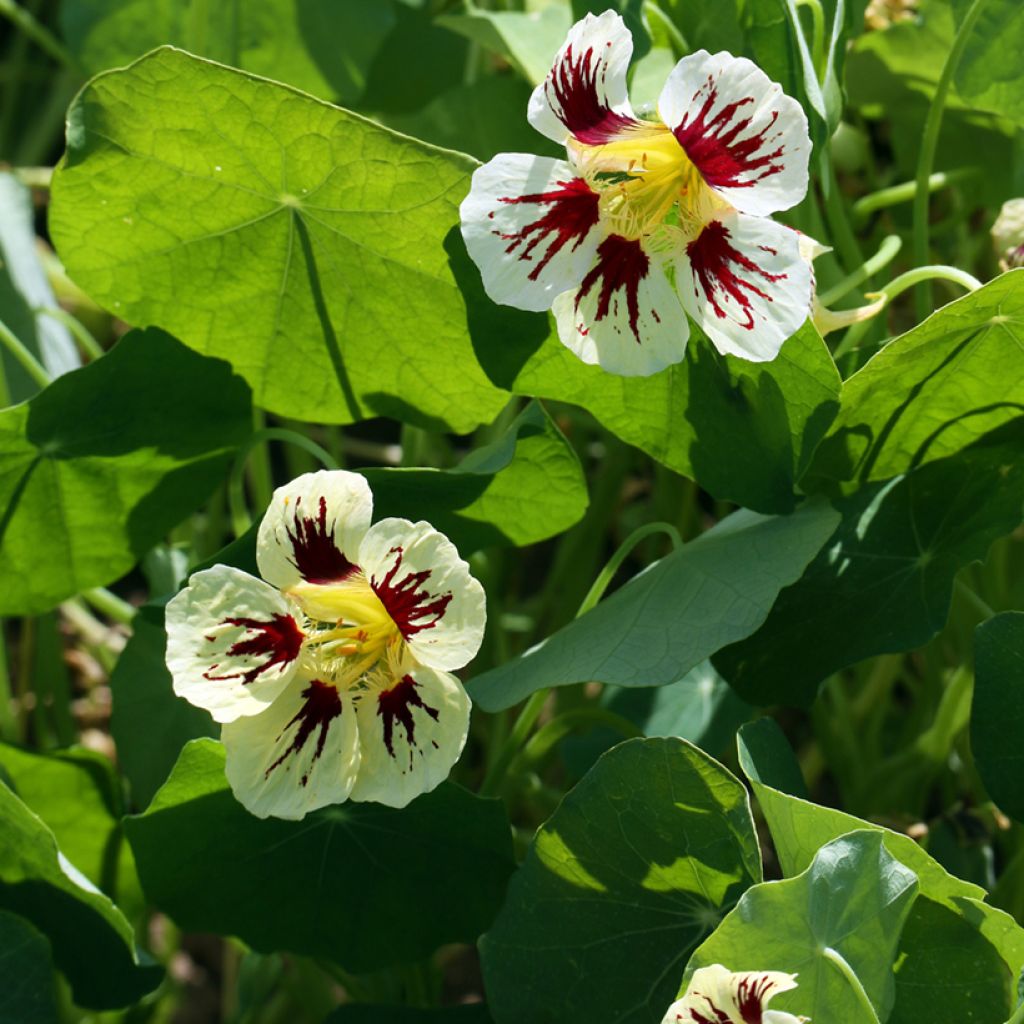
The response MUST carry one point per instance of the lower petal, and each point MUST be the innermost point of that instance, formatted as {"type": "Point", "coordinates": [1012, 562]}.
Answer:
{"type": "Point", "coordinates": [302, 753]}
{"type": "Point", "coordinates": [716, 995]}
{"type": "Point", "coordinates": [625, 316]}
{"type": "Point", "coordinates": [410, 736]}
{"type": "Point", "coordinates": [743, 280]}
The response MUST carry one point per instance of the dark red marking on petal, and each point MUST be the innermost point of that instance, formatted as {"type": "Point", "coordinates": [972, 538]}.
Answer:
{"type": "Point", "coordinates": [278, 640]}
{"type": "Point", "coordinates": [750, 998]}
{"type": "Point", "coordinates": [621, 265]}
{"type": "Point", "coordinates": [715, 263]}
{"type": "Point", "coordinates": [572, 212]}
{"type": "Point", "coordinates": [411, 609]}
{"type": "Point", "coordinates": [768, 249]}
{"type": "Point", "coordinates": [573, 91]}
{"type": "Point", "coordinates": [321, 704]}
{"type": "Point", "coordinates": [712, 143]}
{"type": "Point", "coordinates": [314, 552]}
{"type": "Point", "coordinates": [720, 1016]}
{"type": "Point", "coordinates": [395, 705]}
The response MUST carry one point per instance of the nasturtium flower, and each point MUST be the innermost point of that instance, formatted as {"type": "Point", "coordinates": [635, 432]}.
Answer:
{"type": "Point", "coordinates": [1008, 234]}
{"type": "Point", "coordinates": [718, 996]}
{"type": "Point", "coordinates": [648, 218]}
{"type": "Point", "coordinates": [331, 675]}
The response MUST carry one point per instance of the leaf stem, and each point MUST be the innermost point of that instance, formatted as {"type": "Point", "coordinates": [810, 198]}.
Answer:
{"type": "Point", "coordinates": [88, 343]}
{"type": "Point", "coordinates": [551, 733]}
{"type": "Point", "coordinates": [516, 738]}
{"type": "Point", "coordinates": [887, 251]}
{"type": "Point", "coordinates": [974, 599]}
{"type": "Point", "coordinates": [839, 962]}
{"type": "Point", "coordinates": [929, 143]}
{"type": "Point", "coordinates": [907, 190]}
{"type": "Point", "coordinates": [16, 347]}
{"type": "Point", "coordinates": [38, 33]}
{"type": "Point", "coordinates": [110, 605]}
{"type": "Point", "coordinates": [835, 215]}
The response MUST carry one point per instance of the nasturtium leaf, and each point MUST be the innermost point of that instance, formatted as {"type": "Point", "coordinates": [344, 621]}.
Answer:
{"type": "Point", "coordinates": [997, 711]}
{"type": "Point", "coordinates": [103, 462]}
{"type": "Point", "coordinates": [363, 885]}
{"type": "Point", "coordinates": [988, 74]}
{"type": "Point", "coordinates": [836, 925]}
{"type": "Point", "coordinates": [320, 46]}
{"type": "Point", "coordinates": [677, 612]}
{"type": "Point", "coordinates": [303, 243]}
{"type": "Point", "coordinates": [24, 294]}
{"type": "Point", "coordinates": [362, 1013]}
{"type": "Point", "coordinates": [92, 942]}
{"type": "Point", "coordinates": [883, 581]}
{"type": "Point", "coordinates": [27, 994]}
{"type": "Point", "coordinates": [639, 862]}
{"type": "Point", "coordinates": [932, 391]}
{"type": "Point", "coordinates": [745, 431]}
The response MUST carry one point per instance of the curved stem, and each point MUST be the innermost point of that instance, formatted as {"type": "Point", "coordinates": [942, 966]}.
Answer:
{"type": "Point", "coordinates": [929, 143]}
{"type": "Point", "coordinates": [887, 251]}
{"type": "Point", "coordinates": [818, 42]}
{"type": "Point", "coordinates": [671, 29]}
{"type": "Point", "coordinates": [38, 33]}
{"type": "Point", "coordinates": [89, 345]}
{"type": "Point", "coordinates": [30, 364]}
{"type": "Point", "coordinates": [906, 190]}
{"type": "Point", "coordinates": [854, 982]}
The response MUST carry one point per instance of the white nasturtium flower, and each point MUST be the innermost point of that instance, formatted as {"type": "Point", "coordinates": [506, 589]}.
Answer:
{"type": "Point", "coordinates": [1008, 234]}
{"type": "Point", "coordinates": [646, 219]}
{"type": "Point", "coordinates": [331, 676]}
{"type": "Point", "coordinates": [718, 996]}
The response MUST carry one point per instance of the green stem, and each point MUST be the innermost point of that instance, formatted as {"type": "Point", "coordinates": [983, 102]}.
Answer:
{"type": "Point", "coordinates": [16, 347]}
{"type": "Point", "coordinates": [10, 731]}
{"type": "Point", "coordinates": [887, 251]}
{"type": "Point", "coordinates": [653, 11]}
{"type": "Point", "coordinates": [110, 605]}
{"type": "Point", "coordinates": [844, 969]}
{"type": "Point", "coordinates": [553, 732]}
{"type": "Point", "coordinates": [89, 345]}
{"type": "Point", "coordinates": [906, 190]}
{"type": "Point", "coordinates": [929, 143]}
{"type": "Point", "coordinates": [818, 42]}
{"type": "Point", "coordinates": [978, 603]}
{"type": "Point", "coordinates": [835, 216]}
{"type": "Point", "coordinates": [37, 32]}
{"type": "Point", "coordinates": [516, 738]}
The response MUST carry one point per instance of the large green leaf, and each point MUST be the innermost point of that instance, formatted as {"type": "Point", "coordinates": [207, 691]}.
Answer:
{"type": "Point", "coordinates": [883, 581]}
{"type": "Point", "coordinates": [932, 391]}
{"type": "Point", "coordinates": [92, 942]}
{"type": "Point", "coordinates": [98, 467]}
{"type": "Point", "coordinates": [363, 885]}
{"type": "Point", "coordinates": [673, 615]}
{"type": "Point", "coordinates": [305, 244]}
{"type": "Point", "coordinates": [321, 46]}
{"type": "Point", "coordinates": [837, 925]}
{"type": "Point", "coordinates": [988, 74]}
{"type": "Point", "coordinates": [997, 711]}
{"type": "Point", "coordinates": [27, 993]}
{"type": "Point", "coordinates": [639, 863]}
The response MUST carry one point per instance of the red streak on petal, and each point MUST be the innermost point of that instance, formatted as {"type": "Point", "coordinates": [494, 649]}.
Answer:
{"type": "Point", "coordinates": [724, 161]}
{"type": "Point", "coordinates": [750, 998]}
{"type": "Point", "coordinates": [395, 705]}
{"type": "Point", "coordinates": [321, 705]}
{"type": "Point", "coordinates": [621, 265]}
{"type": "Point", "coordinates": [411, 609]}
{"type": "Point", "coordinates": [278, 640]}
{"type": "Point", "coordinates": [574, 89]}
{"type": "Point", "coordinates": [720, 1016]}
{"type": "Point", "coordinates": [314, 552]}
{"type": "Point", "coordinates": [572, 213]}
{"type": "Point", "coordinates": [713, 260]}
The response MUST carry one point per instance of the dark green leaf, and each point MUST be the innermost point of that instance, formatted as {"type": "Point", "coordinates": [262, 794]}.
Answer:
{"type": "Point", "coordinates": [355, 1013]}
{"type": "Point", "coordinates": [361, 884]}
{"type": "Point", "coordinates": [100, 465]}
{"type": "Point", "coordinates": [636, 866]}
{"type": "Point", "coordinates": [676, 613]}
{"type": "Point", "coordinates": [27, 993]}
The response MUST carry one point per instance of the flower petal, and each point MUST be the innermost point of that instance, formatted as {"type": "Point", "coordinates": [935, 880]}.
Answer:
{"type": "Point", "coordinates": [313, 527]}
{"type": "Point", "coordinates": [748, 139]}
{"type": "Point", "coordinates": [531, 227]}
{"type": "Point", "coordinates": [718, 996]}
{"type": "Point", "coordinates": [745, 283]}
{"type": "Point", "coordinates": [232, 643]}
{"type": "Point", "coordinates": [625, 316]}
{"type": "Point", "coordinates": [584, 93]}
{"type": "Point", "coordinates": [300, 754]}
{"type": "Point", "coordinates": [427, 590]}
{"type": "Point", "coordinates": [410, 735]}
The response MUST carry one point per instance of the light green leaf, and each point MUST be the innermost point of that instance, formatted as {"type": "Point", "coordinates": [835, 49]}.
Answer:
{"type": "Point", "coordinates": [92, 943]}
{"type": "Point", "coordinates": [98, 467]}
{"type": "Point", "coordinates": [837, 925]}
{"type": "Point", "coordinates": [997, 711]}
{"type": "Point", "coordinates": [639, 863]}
{"type": "Point", "coordinates": [320, 46]}
{"type": "Point", "coordinates": [364, 885]}
{"type": "Point", "coordinates": [883, 582]}
{"type": "Point", "coordinates": [673, 615]}
{"type": "Point", "coordinates": [988, 74]}
{"type": "Point", "coordinates": [305, 244]}
{"type": "Point", "coordinates": [27, 993]}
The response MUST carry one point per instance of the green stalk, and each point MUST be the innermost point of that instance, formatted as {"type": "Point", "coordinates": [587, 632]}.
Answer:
{"type": "Point", "coordinates": [653, 12]}
{"type": "Point", "coordinates": [887, 251]}
{"type": "Point", "coordinates": [551, 733]}
{"type": "Point", "coordinates": [835, 216]}
{"type": "Point", "coordinates": [89, 345]}
{"type": "Point", "coordinates": [818, 42]}
{"type": "Point", "coordinates": [37, 32]}
{"type": "Point", "coordinates": [110, 605]}
{"type": "Point", "coordinates": [16, 347]}
{"type": "Point", "coordinates": [929, 143]}
{"type": "Point", "coordinates": [516, 738]}
{"type": "Point", "coordinates": [906, 191]}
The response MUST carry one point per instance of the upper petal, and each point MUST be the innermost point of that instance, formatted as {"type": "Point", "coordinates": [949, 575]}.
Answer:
{"type": "Point", "coordinates": [232, 643]}
{"type": "Point", "coordinates": [718, 996]}
{"type": "Point", "coordinates": [584, 93]}
{"type": "Point", "coordinates": [748, 139]}
{"type": "Point", "coordinates": [745, 283]}
{"type": "Point", "coordinates": [312, 528]}
{"type": "Point", "coordinates": [417, 574]}
{"type": "Point", "coordinates": [625, 316]}
{"type": "Point", "coordinates": [300, 754]}
{"type": "Point", "coordinates": [531, 226]}
{"type": "Point", "coordinates": [410, 735]}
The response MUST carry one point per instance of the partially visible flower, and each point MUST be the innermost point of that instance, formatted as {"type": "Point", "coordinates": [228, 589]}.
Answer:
{"type": "Point", "coordinates": [646, 219]}
{"type": "Point", "coordinates": [718, 996]}
{"type": "Point", "coordinates": [1008, 234]}
{"type": "Point", "coordinates": [331, 675]}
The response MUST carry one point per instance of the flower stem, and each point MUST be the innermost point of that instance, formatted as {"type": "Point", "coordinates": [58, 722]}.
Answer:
{"type": "Point", "coordinates": [887, 251]}
{"type": "Point", "coordinates": [516, 738]}
{"type": "Point", "coordinates": [907, 190]}
{"type": "Point", "coordinates": [929, 143]}
{"type": "Point", "coordinates": [835, 215]}
{"type": "Point", "coordinates": [31, 365]}
{"type": "Point", "coordinates": [110, 605]}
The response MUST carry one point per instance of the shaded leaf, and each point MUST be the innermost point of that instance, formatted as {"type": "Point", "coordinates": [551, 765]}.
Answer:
{"type": "Point", "coordinates": [356, 1013]}
{"type": "Point", "coordinates": [27, 994]}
